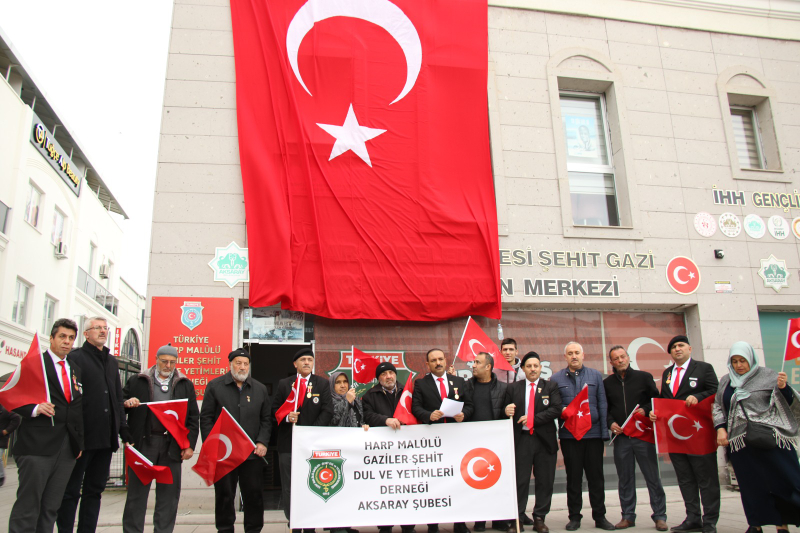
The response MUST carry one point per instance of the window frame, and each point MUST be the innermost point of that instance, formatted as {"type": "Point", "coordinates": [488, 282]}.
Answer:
{"type": "Point", "coordinates": [17, 317]}
{"type": "Point", "coordinates": [47, 319]}
{"type": "Point", "coordinates": [31, 188]}
{"type": "Point", "coordinates": [756, 135]}
{"type": "Point", "coordinates": [56, 213]}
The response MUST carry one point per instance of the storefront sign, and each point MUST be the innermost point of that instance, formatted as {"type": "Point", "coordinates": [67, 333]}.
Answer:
{"type": "Point", "coordinates": [754, 226]}
{"type": "Point", "coordinates": [12, 351]}
{"type": "Point", "coordinates": [44, 141]}
{"type": "Point", "coordinates": [589, 288]}
{"type": "Point", "coordinates": [117, 339]}
{"type": "Point", "coordinates": [778, 227]}
{"type": "Point", "coordinates": [230, 265]}
{"type": "Point", "coordinates": [274, 325]}
{"type": "Point", "coordinates": [581, 259]}
{"type": "Point", "coordinates": [683, 275]}
{"type": "Point", "coordinates": [203, 348]}
{"type": "Point", "coordinates": [780, 200]}
{"type": "Point", "coordinates": [729, 225]}
{"type": "Point", "coordinates": [728, 197]}
{"type": "Point", "coordinates": [774, 273]}
{"type": "Point", "coordinates": [396, 357]}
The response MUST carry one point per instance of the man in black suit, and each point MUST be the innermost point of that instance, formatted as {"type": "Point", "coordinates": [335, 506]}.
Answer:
{"type": "Point", "coordinates": [247, 401]}
{"type": "Point", "coordinates": [535, 444]}
{"type": "Point", "coordinates": [49, 439]}
{"type": "Point", "coordinates": [698, 476]}
{"type": "Point", "coordinates": [314, 407]}
{"type": "Point", "coordinates": [429, 392]}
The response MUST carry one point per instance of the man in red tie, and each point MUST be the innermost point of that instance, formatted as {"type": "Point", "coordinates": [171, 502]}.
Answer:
{"type": "Point", "coordinates": [535, 444]}
{"type": "Point", "coordinates": [698, 476]}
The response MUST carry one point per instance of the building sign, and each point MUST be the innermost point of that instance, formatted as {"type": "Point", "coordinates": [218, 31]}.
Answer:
{"type": "Point", "coordinates": [774, 273]}
{"type": "Point", "coordinates": [778, 227]}
{"type": "Point", "coordinates": [202, 349]}
{"type": "Point", "coordinates": [724, 286]}
{"type": "Point", "coordinates": [780, 200]}
{"type": "Point", "coordinates": [117, 340]}
{"type": "Point", "coordinates": [590, 288]}
{"type": "Point", "coordinates": [580, 259]}
{"type": "Point", "coordinates": [267, 325]}
{"type": "Point", "coordinates": [754, 226]}
{"type": "Point", "coordinates": [683, 275]}
{"type": "Point", "coordinates": [230, 265]}
{"type": "Point", "coordinates": [705, 224]}
{"type": "Point", "coordinates": [12, 351]}
{"type": "Point", "coordinates": [48, 146]}
{"type": "Point", "coordinates": [396, 357]}
{"type": "Point", "coordinates": [729, 225]}
{"type": "Point", "coordinates": [796, 227]}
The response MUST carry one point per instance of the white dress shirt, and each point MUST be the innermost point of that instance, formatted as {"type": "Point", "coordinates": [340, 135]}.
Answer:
{"type": "Point", "coordinates": [683, 368]}
{"type": "Point", "coordinates": [57, 364]}
{"type": "Point", "coordinates": [528, 393]}
{"type": "Point", "coordinates": [446, 386]}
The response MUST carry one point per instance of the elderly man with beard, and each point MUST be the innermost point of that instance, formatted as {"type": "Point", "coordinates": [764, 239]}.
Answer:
{"type": "Point", "coordinates": [248, 403]}
{"type": "Point", "coordinates": [160, 383]}
{"type": "Point", "coordinates": [380, 403]}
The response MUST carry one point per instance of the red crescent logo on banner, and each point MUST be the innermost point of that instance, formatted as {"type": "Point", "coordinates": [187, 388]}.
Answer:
{"type": "Point", "coordinates": [325, 475]}
{"type": "Point", "coordinates": [683, 275]}
{"type": "Point", "coordinates": [480, 468]}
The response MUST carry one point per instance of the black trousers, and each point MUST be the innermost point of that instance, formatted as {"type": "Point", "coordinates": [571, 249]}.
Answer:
{"type": "Point", "coordinates": [584, 456]}
{"type": "Point", "coordinates": [155, 448]}
{"type": "Point", "coordinates": [250, 477]}
{"type": "Point", "coordinates": [531, 456]}
{"type": "Point", "coordinates": [85, 486]}
{"type": "Point", "coordinates": [698, 479]}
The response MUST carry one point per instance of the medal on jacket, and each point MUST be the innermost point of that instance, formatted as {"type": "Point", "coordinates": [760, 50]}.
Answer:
{"type": "Point", "coordinates": [165, 388]}
{"type": "Point", "coordinates": [248, 399]}
{"type": "Point", "coordinates": [308, 394]}
{"type": "Point", "coordinates": [456, 390]}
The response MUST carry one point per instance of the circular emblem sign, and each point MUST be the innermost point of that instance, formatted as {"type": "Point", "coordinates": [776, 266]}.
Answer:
{"type": "Point", "coordinates": [778, 227]}
{"type": "Point", "coordinates": [729, 225]}
{"type": "Point", "coordinates": [754, 226]}
{"type": "Point", "coordinates": [683, 275]}
{"type": "Point", "coordinates": [796, 227]}
{"type": "Point", "coordinates": [480, 468]}
{"type": "Point", "coordinates": [705, 224]}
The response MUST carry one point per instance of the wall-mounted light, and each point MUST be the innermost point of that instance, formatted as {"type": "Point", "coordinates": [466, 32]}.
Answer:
{"type": "Point", "coordinates": [719, 254]}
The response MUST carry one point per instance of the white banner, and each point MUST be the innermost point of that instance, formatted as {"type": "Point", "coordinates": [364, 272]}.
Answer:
{"type": "Point", "coordinates": [344, 477]}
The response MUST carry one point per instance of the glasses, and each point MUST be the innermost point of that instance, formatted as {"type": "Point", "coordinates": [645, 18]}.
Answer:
{"type": "Point", "coordinates": [167, 362]}
{"type": "Point", "coordinates": [98, 328]}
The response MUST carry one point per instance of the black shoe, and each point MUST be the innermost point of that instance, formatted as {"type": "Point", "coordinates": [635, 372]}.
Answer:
{"type": "Point", "coordinates": [350, 530]}
{"type": "Point", "coordinates": [525, 520]}
{"type": "Point", "coordinates": [479, 526]}
{"type": "Point", "coordinates": [604, 524]}
{"type": "Point", "coordinates": [500, 525]}
{"type": "Point", "coordinates": [709, 528]}
{"type": "Point", "coordinates": [385, 530]}
{"type": "Point", "coordinates": [312, 530]}
{"type": "Point", "coordinates": [405, 529]}
{"type": "Point", "coordinates": [461, 528]}
{"type": "Point", "coordinates": [2, 480]}
{"type": "Point", "coordinates": [433, 529]}
{"type": "Point", "coordinates": [573, 525]}
{"type": "Point", "coordinates": [686, 527]}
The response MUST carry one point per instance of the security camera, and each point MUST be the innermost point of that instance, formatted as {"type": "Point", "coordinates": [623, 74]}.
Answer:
{"type": "Point", "coordinates": [719, 254]}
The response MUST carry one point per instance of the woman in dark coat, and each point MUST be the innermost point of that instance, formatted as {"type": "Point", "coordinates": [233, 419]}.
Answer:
{"type": "Point", "coordinates": [347, 409]}
{"type": "Point", "coordinates": [769, 479]}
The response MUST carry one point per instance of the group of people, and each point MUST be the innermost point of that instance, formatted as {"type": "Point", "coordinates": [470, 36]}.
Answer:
{"type": "Point", "coordinates": [63, 461]}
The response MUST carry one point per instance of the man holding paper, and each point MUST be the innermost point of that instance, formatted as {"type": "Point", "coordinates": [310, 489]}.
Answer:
{"type": "Point", "coordinates": [163, 443]}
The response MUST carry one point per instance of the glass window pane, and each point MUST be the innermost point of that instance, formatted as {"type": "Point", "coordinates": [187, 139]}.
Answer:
{"type": "Point", "coordinates": [32, 208]}
{"type": "Point", "coordinates": [58, 227]}
{"type": "Point", "coordinates": [19, 312]}
{"type": "Point", "coordinates": [584, 130]}
{"type": "Point", "coordinates": [49, 315]}
{"type": "Point", "coordinates": [744, 133]}
{"type": "Point", "coordinates": [594, 200]}
{"type": "Point", "coordinates": [3, 216]}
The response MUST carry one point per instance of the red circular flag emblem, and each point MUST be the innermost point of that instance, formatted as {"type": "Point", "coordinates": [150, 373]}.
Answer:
{"type": "Point", "coordinates": [325, 475]}
{"type": "Point", "coordinates": [480, 468]}
{"type": "Point", "coordinates": [683, 275]}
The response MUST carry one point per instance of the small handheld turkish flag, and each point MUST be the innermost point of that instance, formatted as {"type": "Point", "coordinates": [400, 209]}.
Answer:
{"type": "Point", "coordinates": [640, 427]}
{"type": "Point", "coordinates": [403, 410]}
{"type": "Point", "coordinates": [289, 405]}
{"type": "Point", "coordinates": [792, 340]}
{"type": "Point", "coordinates": [144, 469]}
{"type": "Point", "coordinates": [172, 415]}
{"type": "Point", "coordinates": [577, 419]}
{"type": "Point", "coordinates": [225, 448]}
{"type": "Point", "coordinates": [363, 366]}
{"type": "Point", "coordinates": [681, 429]}
{"type": "Point", "coordinates": [27, 385]}
{"type": "Point", "coordinates": [475, 341]}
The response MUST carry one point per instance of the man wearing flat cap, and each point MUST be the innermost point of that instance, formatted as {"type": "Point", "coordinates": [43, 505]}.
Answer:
{"type": "Point", "coordinates": [313, 407]}
{"type": "Point", "coordinates": [698, 477]}
{"type": "Point", "coordinates": [380, 403]}
{"type": "Point", "coordinates": [161, 382]}
{"type": "Point", "coordinates": [248, 403]}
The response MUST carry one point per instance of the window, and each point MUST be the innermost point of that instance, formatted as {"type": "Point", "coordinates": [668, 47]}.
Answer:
{"type": "Point", "coordinates": [92, 253]}
{"type": "Point", "coordinates": [59, 225]}
{"type": "Point", "coordinates": [130, 346]}
{"type": "Point", "coordinates": [589, 163]}
{"type": "Point", "coordinates": [33, 206]}
{"type": "Point", "coordinates": [4, 210]}
{"type": "Point", "coordinates": [49, 315]}
{"type": "Point", "coordinates": [745, 133]}
{"type": "Point", "coordinates": [20, 311]}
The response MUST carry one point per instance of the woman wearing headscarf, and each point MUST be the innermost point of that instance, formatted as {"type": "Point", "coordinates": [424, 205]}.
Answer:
{"type": "Point", "coordinates": [347, 409]}
{"type": "Point", "coordinates": [768, 473]}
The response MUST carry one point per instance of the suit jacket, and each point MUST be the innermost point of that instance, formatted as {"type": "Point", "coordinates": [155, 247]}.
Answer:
{"type": "Point", "coordinates": [545, 426]}
{"type": "Point", "coordinates": [312, 413]}
{"type": "Point", "coordinates": [9, 421]}
{"type": "Point", "coordinates": [42, 435]}
{"type": "Point", "coordinates": [699, 373]}
{"type": "Point", "coordinates": [427, 398]}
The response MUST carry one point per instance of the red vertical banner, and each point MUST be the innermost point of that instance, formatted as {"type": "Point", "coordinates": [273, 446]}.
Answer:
{"type": "Point", "coordinates": [117, 338]}
{"type": "Point", "coordinates": [202, 331]}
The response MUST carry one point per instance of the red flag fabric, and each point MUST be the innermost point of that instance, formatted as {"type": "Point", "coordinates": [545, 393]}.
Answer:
{"type": "Point", "coordinates": [578, 419]}
{"type": "Point", "coordinates": [403, 410]}
{"type": "Point", "coordinates": [640, 427]}
{"type": "Point", "coordinates": [475, 341]}
{"type": "Point", "coordinates": [172, 415]}
{"type": "Point", "coordinates": [27, 385]}
{"type": "Point", "coordinates": [364, 366]}
{"type": "Point", "coordinates": [144, 469]}
{"type": "Point", "coordinates": [225, 448]}
{"type": "Point", "coordinates": [364, 150]}
{"type": "Point", "coordinates": [681, 429]}
{"type": "Point", "coordinates": [792, 340]}
{"type": "Point", "coordinates": [288, 406]}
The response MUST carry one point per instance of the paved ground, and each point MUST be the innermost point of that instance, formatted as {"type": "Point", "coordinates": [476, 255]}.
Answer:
{"type": "Point", "coordinates": [196, 513]}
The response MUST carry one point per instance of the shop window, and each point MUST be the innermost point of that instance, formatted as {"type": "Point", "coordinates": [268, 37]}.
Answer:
{"type": "Point", "coordinates": [33, 206]}
{"type": "Point", "coordinates": [49, 315]}
{"type": "Point", "coordinates": [19, 313]}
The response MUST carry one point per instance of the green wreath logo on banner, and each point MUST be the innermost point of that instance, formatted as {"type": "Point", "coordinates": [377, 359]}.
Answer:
{"type": "Point", "coordinates": [325, 476]}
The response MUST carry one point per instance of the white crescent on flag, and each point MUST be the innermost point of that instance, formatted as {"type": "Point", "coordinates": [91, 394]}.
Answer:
{"type": "Point", "coordinates": [173, 413]}
{"type": "Point", "coordinates": [794, 339]}
{"type": "Point", "coordinates": [672, 429]}
{"type": "Point", "coordinates": [471, 468]}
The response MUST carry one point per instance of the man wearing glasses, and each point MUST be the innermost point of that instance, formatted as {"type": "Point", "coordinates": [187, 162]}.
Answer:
{"type": "Point", "coordinates": [161, 382]}
{"type": "Point", "coordinates": [105, 419]}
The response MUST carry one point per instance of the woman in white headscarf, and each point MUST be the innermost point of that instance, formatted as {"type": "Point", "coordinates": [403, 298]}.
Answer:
{"type": "Point", "coordinates": [768, 472]}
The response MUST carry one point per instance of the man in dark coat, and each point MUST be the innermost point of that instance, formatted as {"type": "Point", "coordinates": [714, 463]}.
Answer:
{"type": "Point", "coordinates": [625, 388]}
{"type": "Point", "coordinates": [49, 439]}
{"type": "Point", "coordinates": [535, 404]}
{"type": "Point", "coordinates": [429, 393]}
{"type": "Point", "coordinates": [105, 419]}
{"type": "Point", "coordinates": [698, 476]}
{"type": "Point", "coordinates": [9, 421]}
{"type": "Point", "coordinates": [488, 403]}
{"type": "Point", "coordinates": [161, 382]}
{"type": "Point", "coordinates": [248, 403]}
{"type": "Point", "coordinates": [313, 406]}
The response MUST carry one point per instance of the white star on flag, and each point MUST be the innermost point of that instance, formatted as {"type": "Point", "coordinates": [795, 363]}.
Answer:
{"type": "Point", "coordinates": [697, 425]}
{"type": "Point", "coordinates": [491, 468]}
{"type": "Point", "coordinates": [580, 414]}
{"type": "Point", "coordinates": [691, 274]}
{"type": "Point", "coordinates": [351, 136]}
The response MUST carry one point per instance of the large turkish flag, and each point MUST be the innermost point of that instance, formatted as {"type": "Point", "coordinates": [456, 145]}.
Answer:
{"type": "Point", "coordinates": [682, 429]}
{"type": "Point", "coordinates": [364, 148]}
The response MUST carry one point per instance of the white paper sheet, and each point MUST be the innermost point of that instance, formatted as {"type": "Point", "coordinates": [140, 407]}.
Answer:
{"type": "Point", "coordinates": [451, 407]}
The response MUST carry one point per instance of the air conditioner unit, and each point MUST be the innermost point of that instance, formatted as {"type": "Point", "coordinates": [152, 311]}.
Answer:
{"type": "Point", "coordinates": [104, 271]}
{"type": "Point", "coordinates": [61, 250]}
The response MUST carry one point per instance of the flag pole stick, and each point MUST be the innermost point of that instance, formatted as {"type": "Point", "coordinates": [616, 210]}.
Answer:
{"type": "Point", "coordinates": [624, 423]}
{"type": "Point", "coordinates": [786, 346]}
{"type": "Point", "coordinates": [44, 375]}
{"type": "Point", "coordinates": [511, 417]}
{"type": "Point", "coordinates": [462, 340]}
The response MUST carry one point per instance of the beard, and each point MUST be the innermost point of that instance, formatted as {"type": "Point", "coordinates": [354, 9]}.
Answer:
{"type": "Point", "coordinates": [240, 376]}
